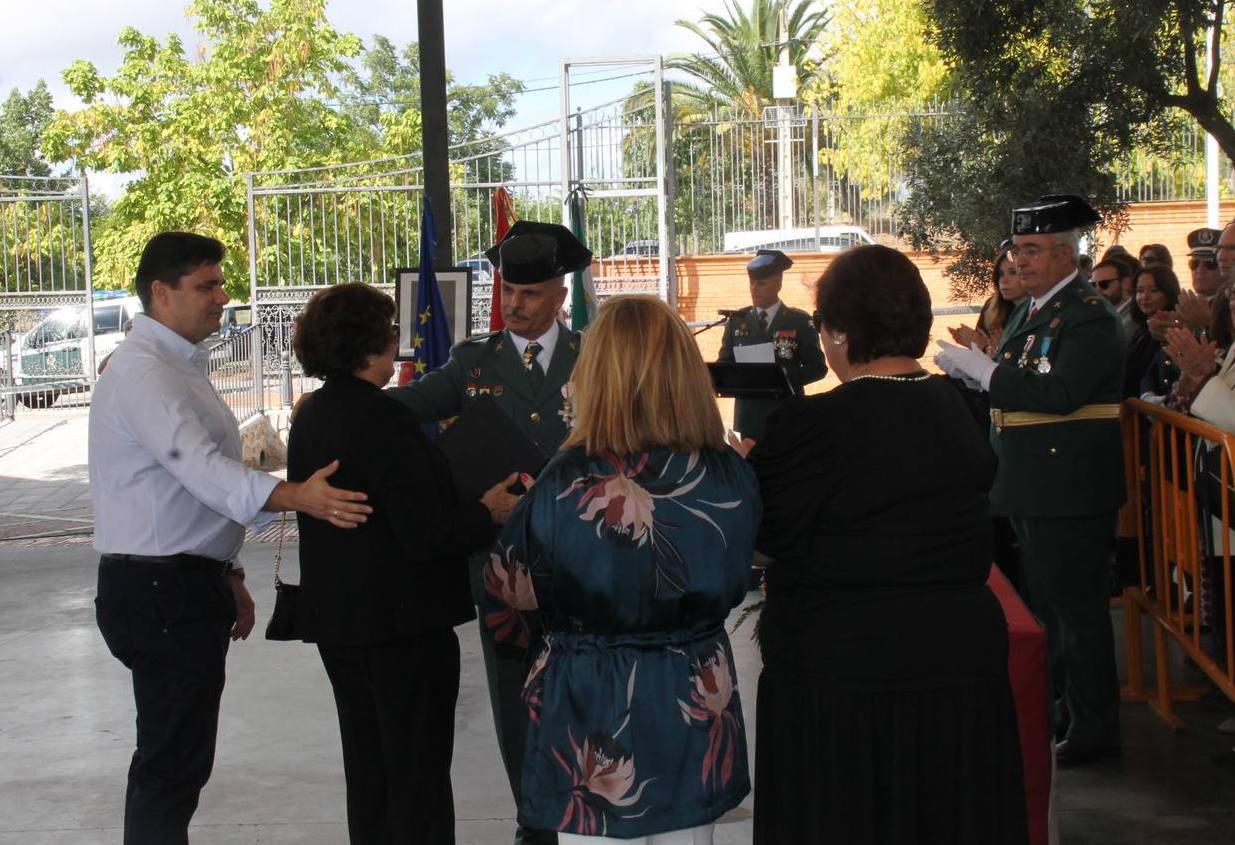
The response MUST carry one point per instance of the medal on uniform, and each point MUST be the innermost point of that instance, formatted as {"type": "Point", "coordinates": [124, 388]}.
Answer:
{"type": "Point", "coordinates": [785, 343]}
{"type": "Point", "coordinates": [471, 391]}
{"type": "Point", "coordinates": [475, 372]}
{"type": "Point", "coordinates": [1044, 363]}
{"type": "Point", "coordinates": [1024, 359]}
{"type": "Point", "coordinates": [568, 404]}
{"type": "Point", "coordinates": [499, 389]}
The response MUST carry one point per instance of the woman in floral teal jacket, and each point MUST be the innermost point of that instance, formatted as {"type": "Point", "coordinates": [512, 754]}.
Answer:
{"type": "Point", "coordinates": [630, 551]}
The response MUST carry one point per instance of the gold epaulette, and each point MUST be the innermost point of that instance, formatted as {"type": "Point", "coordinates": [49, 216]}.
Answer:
{"type": "Point", "coordinates": [1011, 419]}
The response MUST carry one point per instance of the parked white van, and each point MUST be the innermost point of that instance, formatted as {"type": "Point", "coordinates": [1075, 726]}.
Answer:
{"type": "Point", "coordinates": [831, 239]}
{"type": "Point", "coordinates": [53, 351]}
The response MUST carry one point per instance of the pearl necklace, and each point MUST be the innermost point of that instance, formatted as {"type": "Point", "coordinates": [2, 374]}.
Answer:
{"type": "Point", "coordinates": [922, 377]}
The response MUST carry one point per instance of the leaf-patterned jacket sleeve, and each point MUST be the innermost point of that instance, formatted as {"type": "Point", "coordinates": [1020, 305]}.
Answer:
{"type": "Point", "coordinates": [509, 606]}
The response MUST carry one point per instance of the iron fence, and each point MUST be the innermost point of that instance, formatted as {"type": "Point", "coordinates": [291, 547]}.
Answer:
{"type": "Point", "coordinates": [231, 373]}
{"type": "Point", "coordinates": [656, 184]}
{"type": "Point", "coordinates": [791, 169]}
{"type": "Point", "coordinates": [8, 401]}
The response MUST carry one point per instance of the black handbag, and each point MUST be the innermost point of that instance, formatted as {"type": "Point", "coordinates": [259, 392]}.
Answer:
{"type": "Point", "coordinates": [283, 624]}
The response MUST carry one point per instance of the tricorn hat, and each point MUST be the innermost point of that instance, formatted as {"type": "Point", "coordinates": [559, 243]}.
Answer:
{"type": "Point", "coordinates": [1203, 241]}
{"type": "Point", "coordinates": [1053, 213]}
{"type": "Point", "coordinates": [535, 252]}
{"type": "Point", "coordinates": [768, 262]}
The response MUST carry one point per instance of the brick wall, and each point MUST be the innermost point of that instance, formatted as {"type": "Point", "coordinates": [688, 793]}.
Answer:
{"type": "Point", "coordinates": [1167, 223]}
{"type": "Point", "coordinates": [707, 283]}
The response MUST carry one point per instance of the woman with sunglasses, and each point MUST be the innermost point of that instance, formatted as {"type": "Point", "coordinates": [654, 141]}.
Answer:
{"type": "Point", "coordinates": [1154, 255]}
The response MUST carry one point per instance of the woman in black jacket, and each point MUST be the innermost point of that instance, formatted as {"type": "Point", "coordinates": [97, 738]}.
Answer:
{"type": "Point", "coordinates": [1157, 290]}
{"type": "Point", "coordinates": [381, 600]}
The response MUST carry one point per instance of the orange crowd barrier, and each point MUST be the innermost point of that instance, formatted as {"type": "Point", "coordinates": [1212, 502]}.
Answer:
{"type": "Point", "coordinates": [1181, 474]}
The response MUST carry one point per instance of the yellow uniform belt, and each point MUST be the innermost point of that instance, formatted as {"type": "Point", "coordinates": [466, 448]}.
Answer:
{"type": "Point", "coordinates": [1007, 419]}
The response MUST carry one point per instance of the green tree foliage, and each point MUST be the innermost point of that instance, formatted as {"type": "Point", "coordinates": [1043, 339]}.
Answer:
{"type": "Point", "coordinates": [386, 87]}
{"type": "Point", "coordinates": [883, 68]}
{"type": "Point", "coordinates": [23, 120]}
{"type": "Point", "coordinates": [249, 98]}
{"type": "Point", "coordinates": [736, 72]}
{"type": "Point", "coordinates": [383, 94]}
{"type": "Point", "coordinates": [1059, 93]}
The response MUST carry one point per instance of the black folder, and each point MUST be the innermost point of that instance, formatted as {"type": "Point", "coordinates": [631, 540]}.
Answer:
{"type": "Point", "coordinates": [750, 381]}
{"type": "Point", "coordinates": [484, 446]}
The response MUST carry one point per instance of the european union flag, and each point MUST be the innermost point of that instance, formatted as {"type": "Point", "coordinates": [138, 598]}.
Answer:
{"type": "Point", "coordinates": [430, 333]}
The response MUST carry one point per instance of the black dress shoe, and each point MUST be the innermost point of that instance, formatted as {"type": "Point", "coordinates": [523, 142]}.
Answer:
{"type": "Point", "coordinates": [1069, 753]}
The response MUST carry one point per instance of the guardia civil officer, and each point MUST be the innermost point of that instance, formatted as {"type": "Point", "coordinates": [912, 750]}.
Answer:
{"type": "Point", "coordinates": [526, 369]}
{"type": "Point", "coordinates": [795, 343]}
{"type": "Point", "coordinates": [1055, 389]}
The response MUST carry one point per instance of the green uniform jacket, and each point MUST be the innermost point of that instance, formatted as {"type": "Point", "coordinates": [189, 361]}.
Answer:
{"type": "Point", "coordinates": [489, 364]}
{"type": "Point", "coordinates": [1069, 354]}
{"type": "Point", "coordinates": [797, 350]}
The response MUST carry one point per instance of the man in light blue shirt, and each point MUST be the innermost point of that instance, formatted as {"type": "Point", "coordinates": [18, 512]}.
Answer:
{"type": "Point", "coordinates": [171, 501]}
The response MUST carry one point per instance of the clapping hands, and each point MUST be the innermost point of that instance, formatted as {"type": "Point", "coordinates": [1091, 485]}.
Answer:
{"type": "Point", "coordinates": [1196, 360]}
{"type": "Point", "coordinates": [969, 337]}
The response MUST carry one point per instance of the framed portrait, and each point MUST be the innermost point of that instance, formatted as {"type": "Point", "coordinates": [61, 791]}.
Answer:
{"type": "Point", "coordinates": [455, 284]}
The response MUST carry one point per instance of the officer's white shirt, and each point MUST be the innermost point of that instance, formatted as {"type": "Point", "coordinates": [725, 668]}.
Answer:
{"type": "Point", "coordinates": [771, 311]}
{"type": "Point", "coordinates": [1035, 303]}
{"type": "Point", "coordinates": [547, 342]}
{"type": "Point", "coordinates": [165, 470]}
{"type": "Point", "coordinates": [1038, 302]}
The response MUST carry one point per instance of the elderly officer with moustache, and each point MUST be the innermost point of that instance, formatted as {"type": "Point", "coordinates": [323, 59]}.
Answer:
{"type": "Point", "coordinates": [1054, 386]}
{"type": "Point", "coordinates": [526, 369]}
{"type": "Point", "coordinates": [795, 343]}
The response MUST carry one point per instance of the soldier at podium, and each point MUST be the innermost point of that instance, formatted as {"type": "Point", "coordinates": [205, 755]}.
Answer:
{"type": "Point", "coordinates": [795, 343]}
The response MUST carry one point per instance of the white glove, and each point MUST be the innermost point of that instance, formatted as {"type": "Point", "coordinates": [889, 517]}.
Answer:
{"type": "Point", "coordinates": [970, 365]}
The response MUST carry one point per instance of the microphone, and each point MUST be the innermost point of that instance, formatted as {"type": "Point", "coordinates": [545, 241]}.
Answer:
{"type": "Point", "coordinates": [733, 312]}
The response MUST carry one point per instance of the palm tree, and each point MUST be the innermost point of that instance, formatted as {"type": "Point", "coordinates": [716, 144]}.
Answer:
{"type": "Point", "coordinates": [737, 72]}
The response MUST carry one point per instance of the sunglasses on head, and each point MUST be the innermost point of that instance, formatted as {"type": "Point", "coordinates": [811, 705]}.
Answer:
{"type": "Point", "coordinates": [1210, 263]}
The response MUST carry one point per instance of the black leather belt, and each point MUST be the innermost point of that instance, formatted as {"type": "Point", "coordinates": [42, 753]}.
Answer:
{"type": "Point", "coordinates": [194, 563]}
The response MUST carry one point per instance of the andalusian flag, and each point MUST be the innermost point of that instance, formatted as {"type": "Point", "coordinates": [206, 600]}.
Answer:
{"type": "Point", "coordinates": [582, 290]}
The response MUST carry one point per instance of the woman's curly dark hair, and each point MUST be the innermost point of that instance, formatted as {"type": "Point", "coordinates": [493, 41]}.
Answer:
{"type": "Point", "coordinates": [340, 327]}
{"type": "Point", "coordinates": [876, 297]}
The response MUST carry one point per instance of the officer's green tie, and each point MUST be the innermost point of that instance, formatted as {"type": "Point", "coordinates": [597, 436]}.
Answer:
{"type": "Point", "coordinates": [763, 319]}
{"type": "Point", "coordinates": [535, 374]}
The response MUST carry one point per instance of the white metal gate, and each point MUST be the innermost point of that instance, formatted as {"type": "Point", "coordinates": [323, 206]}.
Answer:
{"type": "Point", "coordinates": [358, 221]}
{"type": "Point", "coordinates": [46, 303]}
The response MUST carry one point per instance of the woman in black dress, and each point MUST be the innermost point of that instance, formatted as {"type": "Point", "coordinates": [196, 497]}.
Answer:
{"type": "Point", "coordinates": [382, 600]}
{"type": "Point", "coordinates": [885, 712]}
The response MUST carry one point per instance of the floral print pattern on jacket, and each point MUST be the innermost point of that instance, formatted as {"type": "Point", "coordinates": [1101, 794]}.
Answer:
{"type": "Point", "coordinates": [630, 565]}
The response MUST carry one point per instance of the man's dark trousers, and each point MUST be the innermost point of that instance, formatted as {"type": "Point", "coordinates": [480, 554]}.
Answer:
{"type": "Point", "coordinates": [171, 628]}
{"type": "Point", "coordinates": [1065, 569]}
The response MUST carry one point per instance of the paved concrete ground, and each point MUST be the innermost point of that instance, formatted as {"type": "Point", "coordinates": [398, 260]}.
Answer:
{"type": "Point", "coordinates": [66, 712]}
